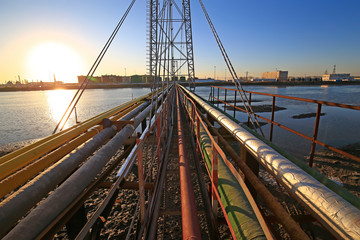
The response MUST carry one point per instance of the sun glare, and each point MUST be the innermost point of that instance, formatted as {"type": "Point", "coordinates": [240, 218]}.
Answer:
{"type": "Point", "coordinates": [50, 58]}
{"type": "Point", "coordinates": [58, 101]}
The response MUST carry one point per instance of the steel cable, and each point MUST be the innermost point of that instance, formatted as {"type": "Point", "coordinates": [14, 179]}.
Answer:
{"type": "Point", "coordinates": [231, 69]}
{"type": "Point", "coordinates": [91, 72]}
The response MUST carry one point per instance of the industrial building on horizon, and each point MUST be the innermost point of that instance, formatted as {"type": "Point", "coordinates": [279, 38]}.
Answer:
{"type": "Point", "coordinates": [337, 77]}
{"type": "Point", "coordinates": [117, 79]}
{"type": "Point", "coordinates": [282, 76]}
{"type": "Point", "coordinates": [278, 76]}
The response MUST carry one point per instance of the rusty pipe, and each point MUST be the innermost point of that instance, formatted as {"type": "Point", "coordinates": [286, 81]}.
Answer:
{"type": "Point", "coordinates": [190, 222]}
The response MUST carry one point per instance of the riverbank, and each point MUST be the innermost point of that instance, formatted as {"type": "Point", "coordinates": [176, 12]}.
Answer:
{"type": "Point", "coordinates": [51, 86]}
{"type": "Point", "coordinates": [48, 86]}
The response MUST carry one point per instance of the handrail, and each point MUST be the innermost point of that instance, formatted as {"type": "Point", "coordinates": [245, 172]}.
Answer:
{"type": "Point", "coordinates": [136, 154]}
{"type": "Point", "coordinates": [297, 98]}
{"type": "Point", "coordinates": [313, 139]}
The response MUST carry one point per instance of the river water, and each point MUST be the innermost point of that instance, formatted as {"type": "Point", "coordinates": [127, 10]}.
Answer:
{"type": "Point", "coordinates": [34, 114]}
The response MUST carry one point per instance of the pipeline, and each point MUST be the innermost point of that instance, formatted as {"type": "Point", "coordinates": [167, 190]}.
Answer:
{"type": "Point", "coordinates": [8, 184]}
{"type": "Point", "coordinates": [122, 173]}
{"type": "Point", "coordinates": [337, 215]}
{"type": "Point", "coordinates": [190, 221]}
{"type": "Point", "coordinates": [71, 210]}
{"type": "Point", "coordinates": [15, 206]}
{"type": "Point", "coordinates": [291, 226]}
{"type": "Point", "coordinates": [243, 214]}
{"type": "Point", "coordinates": [20, 177]}
{"type": "Point", "coordinates": [33, 224]}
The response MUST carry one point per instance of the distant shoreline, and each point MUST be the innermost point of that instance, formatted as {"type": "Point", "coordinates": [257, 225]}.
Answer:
{"type": "Point", "coordinates": [147, 85]}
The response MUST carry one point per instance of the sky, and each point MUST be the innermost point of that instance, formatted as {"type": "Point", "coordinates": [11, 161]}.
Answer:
{"type": "Point", "coordinates": [40, 38]}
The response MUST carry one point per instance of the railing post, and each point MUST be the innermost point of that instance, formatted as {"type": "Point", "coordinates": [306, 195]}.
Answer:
{"type": "Point", "coordinates": [248, 122]}
{"type": "Point", "coordinates": [218, 97]}
{"type": "Point", "coordinates": [214, 176]}
{"type": "Point", "coordinates": [197, 127]}
{"type": "Point", "coordinates": [235, 103]}
{"type": "Point", "coordinates": [158, 128]}
{"type": "Point", "coordinates": [272, 118]}
{"type": "Point", "coordinates": [212, 94]}
{"type": "Point", "coordinates": [192, 117]}
{"type": "Point", "coordinates": [316, 128]}
{"type": "Point", "coordinates": [164, 120]}
{"type": "Point", "coordinates": [197, 134]}
{"type": "Point", "coordinates": [76, 118]}
{"type": "Point", "coordinates": [141, 182]}
{"type": "Point", "coordinates": [225, 99]}
{"type": "Point", "coordinates": [253, 164]}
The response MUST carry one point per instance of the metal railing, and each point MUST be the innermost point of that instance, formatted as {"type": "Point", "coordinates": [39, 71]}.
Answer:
{"type": "Point", "coordinates": [161, 125]}
{"type": "Point", "coordinates": [138, 154]}
{"type": "Point", "coordinates": [313, 139]}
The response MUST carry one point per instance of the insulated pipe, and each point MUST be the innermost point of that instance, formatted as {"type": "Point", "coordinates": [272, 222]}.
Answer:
{"type": "Point", "coordinates": [33, 224]}
{"type": "Point", "coordinates": [337, 215]}
{"type": "Point", "coordinates": [20, 177]}
{"type": "Point", "coordinates": [8, 184]}
{"type": "Point", "coordinates": [241, 209]}
{"type": "Point", "coordinates": [15, 206]}
{"type": "Point", "coordinates": [190, 221]}
{"type": "Point", "coordinates": [291, 226]}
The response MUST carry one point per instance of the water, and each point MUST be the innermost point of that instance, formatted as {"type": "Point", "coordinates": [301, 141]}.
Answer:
{"type": "Point", "coordinates": [34, 114]}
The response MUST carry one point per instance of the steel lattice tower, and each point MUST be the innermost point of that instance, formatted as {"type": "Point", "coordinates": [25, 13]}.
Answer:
{"type": "Point", "coordinates": [170, 45]}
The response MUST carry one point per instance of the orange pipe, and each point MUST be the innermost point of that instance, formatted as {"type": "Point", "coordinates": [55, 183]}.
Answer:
{"type": "Point", "coordinates": [190, 221]}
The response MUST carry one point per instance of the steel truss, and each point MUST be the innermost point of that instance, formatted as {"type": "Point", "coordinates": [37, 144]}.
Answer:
{"type": "Point", "coordinates": [170, 42]}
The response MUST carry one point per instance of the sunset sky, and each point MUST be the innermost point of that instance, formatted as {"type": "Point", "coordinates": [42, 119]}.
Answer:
{"type": "Point", "coordinates": [39, 38]}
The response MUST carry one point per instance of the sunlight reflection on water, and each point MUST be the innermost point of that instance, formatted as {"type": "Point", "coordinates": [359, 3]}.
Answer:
{"type": "Point", "coordinates": [34, 114]}
{"type": "Point", "coordinates": [58, 100]}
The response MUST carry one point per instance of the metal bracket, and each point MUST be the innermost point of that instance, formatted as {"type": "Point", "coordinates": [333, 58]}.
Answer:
{"type": "Point", "coordinates": [120, 124]}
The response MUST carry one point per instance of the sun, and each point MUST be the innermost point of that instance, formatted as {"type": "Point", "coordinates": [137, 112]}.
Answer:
{"type": "Point", "coordinates": [51, 58]}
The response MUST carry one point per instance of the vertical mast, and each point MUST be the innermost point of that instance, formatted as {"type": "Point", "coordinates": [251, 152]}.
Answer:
{"type": "Point", "coordinates": [169, 24]}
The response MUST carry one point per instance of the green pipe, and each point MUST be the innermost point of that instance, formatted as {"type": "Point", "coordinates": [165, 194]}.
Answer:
{"type": "Point", "coordinates": [239, 210]}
